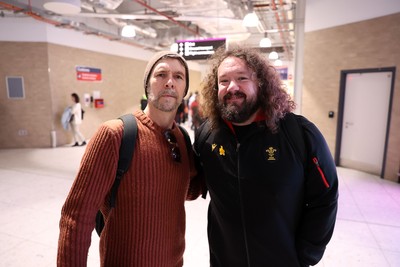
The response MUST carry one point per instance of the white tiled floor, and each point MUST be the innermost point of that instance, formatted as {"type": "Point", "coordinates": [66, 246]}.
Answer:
{"type": "Point", "coordinates": [35, 182]}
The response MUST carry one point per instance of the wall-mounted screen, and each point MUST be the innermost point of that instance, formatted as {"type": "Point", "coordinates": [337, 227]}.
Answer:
{"type": "Point", "coordinates": [199, 49]}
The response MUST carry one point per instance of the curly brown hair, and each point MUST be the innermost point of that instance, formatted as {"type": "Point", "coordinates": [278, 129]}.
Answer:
{"type": "Point", "coordinates": [273, 98]}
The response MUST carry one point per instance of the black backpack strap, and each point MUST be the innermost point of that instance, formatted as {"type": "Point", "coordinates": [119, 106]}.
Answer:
{"type": "Point", "coordinates": [187, 138]}
{"type": "Point", "coordinates": [294, 134]}
{"type": "Point", "coordinates": [125, 152]}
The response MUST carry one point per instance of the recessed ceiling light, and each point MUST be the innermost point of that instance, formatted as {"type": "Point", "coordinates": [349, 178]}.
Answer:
{"type": "Point", "coordinates": [273, 55]}
{"type": "Point", "coordinates": [265, 42]}
{"type": "Point", "coordinates": [250, 20]}
{"type": "Point", "coordinates": [63, 6]}
{"type": "Point", "coordinates": [128, 31]}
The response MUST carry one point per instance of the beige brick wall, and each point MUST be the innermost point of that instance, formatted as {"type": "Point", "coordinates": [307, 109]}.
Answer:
{"type": "Point", "coordinates": [50, 78]}
{"type": "Point", "coordinates": [367, 44]}
{"type": "Point", "coordinates": [23, 120]}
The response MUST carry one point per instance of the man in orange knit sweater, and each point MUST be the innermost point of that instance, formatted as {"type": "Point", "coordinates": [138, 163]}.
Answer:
{"type": "Point", "coordinates": [147, 226]}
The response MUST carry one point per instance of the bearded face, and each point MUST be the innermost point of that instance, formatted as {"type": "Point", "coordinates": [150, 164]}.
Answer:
{"type": "Point", "coordinates": [237, 91]}
{"type": "Point", "coordinates": [167, 100]}
{"type": "Point", "coordinates": [238, 112]}
{"type": "Point", "coordinates": [167, 85]}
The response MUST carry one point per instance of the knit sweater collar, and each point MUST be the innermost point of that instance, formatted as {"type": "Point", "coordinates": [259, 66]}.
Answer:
{"type": "Point", "coordinates": [148, 122]}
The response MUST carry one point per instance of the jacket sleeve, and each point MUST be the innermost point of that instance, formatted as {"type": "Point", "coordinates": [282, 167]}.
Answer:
{"type": "Point", "coordinates": [197, 183]}
{"type": "Point", "coordinates": [321, 197]}
{"type": "Point", "coordinates": [74, 109]}
{"type": "Point", "coordinates": [93, 181]}
{"type": "Point", "coordinates": [77, 112]}
{"type": "Point", "coordinates": [200, 136]}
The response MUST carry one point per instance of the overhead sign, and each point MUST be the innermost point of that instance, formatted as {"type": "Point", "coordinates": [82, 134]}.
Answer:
{"type": "Point", "coordinates": [88, 74]}
{"type": "Point", "coordinates": [199, 49]}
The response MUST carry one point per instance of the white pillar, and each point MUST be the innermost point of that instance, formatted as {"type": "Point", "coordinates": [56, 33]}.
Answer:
{"type": "Point", "coordinates": [299, 54]}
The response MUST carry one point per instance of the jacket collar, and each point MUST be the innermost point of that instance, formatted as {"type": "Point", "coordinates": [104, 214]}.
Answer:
{"type": "Point", "coordinates": [259, 117]}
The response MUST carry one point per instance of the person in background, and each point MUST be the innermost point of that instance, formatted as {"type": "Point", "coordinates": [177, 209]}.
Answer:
{"type": "Point", "coordinates": [143, 102]}
{"type": "Point", "coordinates": [192, 98]}
{"type": "Point", "coordinates": [180, 113]}
{"type": "Point", "coordinates": [146, 228]}
{"type": "Point", "coordinates": [197, 117]}
{"type": "Point", "coordinates": [76, 120]}
{"type": "Point", "coordinates": [268, 205]}
{"type": "Point", "coordinates": [189, 104]}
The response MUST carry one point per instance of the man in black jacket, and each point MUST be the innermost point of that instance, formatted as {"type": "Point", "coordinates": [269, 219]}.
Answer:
{"type": "Point", "coordinates": [273, 196]}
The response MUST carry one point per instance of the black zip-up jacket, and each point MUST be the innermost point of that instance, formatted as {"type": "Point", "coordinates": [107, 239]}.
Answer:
{"type": "Point", "coordinates": [267, 207]}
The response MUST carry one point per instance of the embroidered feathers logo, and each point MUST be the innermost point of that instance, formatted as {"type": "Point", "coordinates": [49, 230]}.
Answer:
{"type": "Point", "coordinates": [271, 153]}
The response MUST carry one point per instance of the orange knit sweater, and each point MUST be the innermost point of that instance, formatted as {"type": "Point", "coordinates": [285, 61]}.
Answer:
{"type": "Point", "coordinates": [147, 226]}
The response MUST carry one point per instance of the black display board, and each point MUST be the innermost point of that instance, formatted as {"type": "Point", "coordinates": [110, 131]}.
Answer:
{"type": "Point", "coordinates": [199, 49]}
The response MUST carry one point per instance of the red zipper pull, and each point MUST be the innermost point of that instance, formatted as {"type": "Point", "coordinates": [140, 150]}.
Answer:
{"type": "Point", "coordinates": [315, 160]}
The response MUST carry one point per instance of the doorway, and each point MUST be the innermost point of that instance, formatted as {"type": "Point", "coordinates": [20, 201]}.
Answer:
{"type": "Point", "coordinates": [365, 103]}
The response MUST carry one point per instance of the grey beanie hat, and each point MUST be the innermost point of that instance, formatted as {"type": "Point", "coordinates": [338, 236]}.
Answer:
{"type": "Point", "coordinates": [157, 57]}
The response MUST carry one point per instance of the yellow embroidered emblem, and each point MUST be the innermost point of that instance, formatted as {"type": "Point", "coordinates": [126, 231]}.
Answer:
{"type": "Point", "coordinates": [221, 151]}
{"type": "Point", "coordinates": [213, 146]}
{"type": "Point", "coordinates": [271, 153]}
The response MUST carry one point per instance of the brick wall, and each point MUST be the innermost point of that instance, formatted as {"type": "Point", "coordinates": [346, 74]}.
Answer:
{"type": "Point", "coordinates": [50, 78]}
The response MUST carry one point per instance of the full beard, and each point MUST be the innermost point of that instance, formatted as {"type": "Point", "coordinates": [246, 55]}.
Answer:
{"type": "Point", "coordinates": [234, 112]}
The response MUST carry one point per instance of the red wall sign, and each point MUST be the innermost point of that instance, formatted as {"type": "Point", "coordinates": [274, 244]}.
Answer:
{"type": "Point", "coordinates": [88, 74]}
{"type": "Point", "coordinates": [99, 103]}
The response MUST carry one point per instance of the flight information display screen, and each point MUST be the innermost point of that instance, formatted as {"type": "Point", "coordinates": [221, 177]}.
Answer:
{"type": "Point", "coordinates": [199, 49]}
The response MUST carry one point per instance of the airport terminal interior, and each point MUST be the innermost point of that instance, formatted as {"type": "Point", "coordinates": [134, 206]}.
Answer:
{"type": "Point", "coordinates": [35, 183]}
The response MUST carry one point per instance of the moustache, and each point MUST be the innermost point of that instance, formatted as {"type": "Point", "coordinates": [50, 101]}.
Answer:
{"type": "Point", "coordinates": [168, 92]}
{"type": "Point", "coordinates": [235, 94]}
